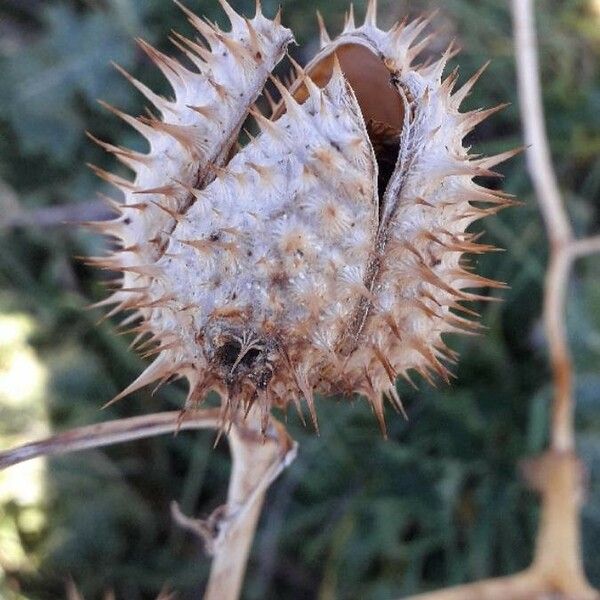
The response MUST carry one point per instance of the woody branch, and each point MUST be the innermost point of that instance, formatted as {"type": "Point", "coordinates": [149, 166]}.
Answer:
{"type": "Point", "coordinates": [557, 567]}
{"type": "Point", "coordinates": [257, 461]}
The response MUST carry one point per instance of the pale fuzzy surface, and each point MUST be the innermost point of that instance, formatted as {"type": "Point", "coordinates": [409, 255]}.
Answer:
{"type": "Point", "coordinates": [281, 235]}
{"type": "Point", "coordinates": [285, 250]}
{"type": "Point", "coordinates": [197, 128]}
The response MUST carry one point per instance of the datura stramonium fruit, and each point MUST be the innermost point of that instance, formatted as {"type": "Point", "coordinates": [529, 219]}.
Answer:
{"type": "Point", "coordinates": [326, 254]}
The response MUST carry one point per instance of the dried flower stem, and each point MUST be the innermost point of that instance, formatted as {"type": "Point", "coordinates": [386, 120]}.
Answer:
{"type": "Point", "coordinates": [523, 586]}
{"type": "Point", "coordinates": [558, 227]}
{"type": "Point", "coordinates": [558, 472]}
{"type": "Point", "coordinates": [49, 217]}
{"type": "Point", "coordinates": [585, 247]}
{"type": "Point", "coordinates": [557, 565]}
{"type": "Point", "coordinates": [532, 114]}
{"type": "Point", "coordinates": [111, 432]}
{"type": "Point", "coordinates": [257, 461]}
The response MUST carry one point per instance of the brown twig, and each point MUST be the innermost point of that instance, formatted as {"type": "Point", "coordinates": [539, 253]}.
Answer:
{"type": "Point", "coordinates": [557, 568]}
{"type": "Point", "coordinates": [111, 432]}
{"type": "Point", "coordinates": [257, 461]}
{"type": "Point", "coordinates": [558, 551]}
{"type": "Point", "coordinates": [56, 216]}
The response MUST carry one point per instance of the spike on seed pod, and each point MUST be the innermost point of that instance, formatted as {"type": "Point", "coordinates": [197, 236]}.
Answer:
{"type": "Point", "coordinates": [326, 255]}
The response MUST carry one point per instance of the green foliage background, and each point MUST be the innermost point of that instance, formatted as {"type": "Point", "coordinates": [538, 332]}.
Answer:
{"type": "Point", "coordinates": [355, 517]}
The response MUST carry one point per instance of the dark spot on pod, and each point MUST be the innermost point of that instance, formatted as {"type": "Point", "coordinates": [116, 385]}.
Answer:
{"type": "Point", "coordinates": [227, 354]}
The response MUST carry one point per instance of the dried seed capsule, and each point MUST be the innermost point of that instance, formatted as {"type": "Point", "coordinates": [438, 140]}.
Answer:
{"type": "Point", "coordinates": [323, 256]}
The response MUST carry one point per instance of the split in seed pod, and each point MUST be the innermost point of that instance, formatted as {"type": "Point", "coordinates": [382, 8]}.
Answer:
{"type": "Point", "coordinates": [325, 256]}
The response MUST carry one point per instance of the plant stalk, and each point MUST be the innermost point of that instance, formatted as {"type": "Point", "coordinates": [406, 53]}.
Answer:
{"type": "Point", "coordinates": [257, 460]}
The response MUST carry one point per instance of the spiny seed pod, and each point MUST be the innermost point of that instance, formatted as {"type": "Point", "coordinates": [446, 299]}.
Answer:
{"type": "Point", "coordinates": [324, 256]}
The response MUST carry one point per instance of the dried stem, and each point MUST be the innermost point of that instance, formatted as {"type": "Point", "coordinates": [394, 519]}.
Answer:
{"type": "Point", "coordinates": [49, 217]}
{"type": "Point", "coordinates": [532, 114]}
{"type": "Point", "coordinates": [524, 586]}
{"type": "Point", "coordinates": [558, 227]}
{"type": "Point", "coordinates": [557, 473]}
{"type": "Point", "coordinates": [585, 247]}
{"type": "Point", "coordinates": [111, 432]}
{"type": "Point", "coordinates": [555, 291]}
{"type": "Point", "coordinates": [557, 568]}
{"type": "Point", "coordinates": [257, 461]}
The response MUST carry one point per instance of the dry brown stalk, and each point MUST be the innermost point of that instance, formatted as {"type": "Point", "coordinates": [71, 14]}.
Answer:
{"type": "Point", "coordinates": [257, 461]}
{"type": "Point", "coordinates": [557, 568]}
{"type": "Point", "coordinates": [111, 432]}
{"type": "Point", "coordinates": [49, 217]}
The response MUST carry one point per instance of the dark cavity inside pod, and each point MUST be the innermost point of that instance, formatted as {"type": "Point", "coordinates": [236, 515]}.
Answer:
{"type": "Point", "coordinates": [381, 106]}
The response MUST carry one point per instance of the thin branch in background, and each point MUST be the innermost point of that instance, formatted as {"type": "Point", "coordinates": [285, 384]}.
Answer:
{"type": "Point", "coordinates": [55, 216]}
{"type": "Point", "coordinates": [557, 475]}
{"type": "Point", "coordinates": [538, 155]}
{"type": "Point", "coordinates": [585, 247]}
{"type": "Point", "coordinates": [558, 227]}
{"type": "Point", "coordinates": [13, 215]}
{"type": "Point", "coordinates": [258, 459]}
{"type": "Point", "coordinates": [111, 432]}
